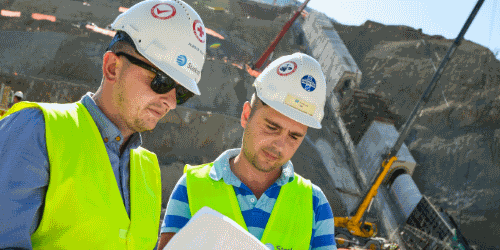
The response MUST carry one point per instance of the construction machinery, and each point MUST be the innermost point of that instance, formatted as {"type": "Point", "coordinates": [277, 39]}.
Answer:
{"type": "Point", "coordinates": [355, 229]}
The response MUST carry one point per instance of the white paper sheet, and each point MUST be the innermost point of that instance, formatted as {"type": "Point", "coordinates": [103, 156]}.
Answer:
{"type": "Point", "coordinates": [209, 229]}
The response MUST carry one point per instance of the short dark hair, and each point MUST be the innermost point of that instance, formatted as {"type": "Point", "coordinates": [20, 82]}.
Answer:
{"type": "Point", "coordinates": [119, 39]}
{"type": "Point", "coordinates": [255, 104]}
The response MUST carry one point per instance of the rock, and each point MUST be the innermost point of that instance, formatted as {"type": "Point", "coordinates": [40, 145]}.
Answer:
{"type": "Point", "coordinates": [464, 115]}
{"type": "Point", "coordinates": [455, 141]}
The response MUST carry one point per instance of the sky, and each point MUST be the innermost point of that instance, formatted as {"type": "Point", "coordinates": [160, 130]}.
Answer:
{"type": "Point", "coordinates": [434, 17]}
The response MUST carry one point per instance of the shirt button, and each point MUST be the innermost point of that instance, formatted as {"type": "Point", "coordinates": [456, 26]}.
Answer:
{"type": "Point", "coordinates": [252, 199]}
{"type": "Point", "coordinates": [106, 139]}
{"type": "Point", "coordinates": [118, 138]}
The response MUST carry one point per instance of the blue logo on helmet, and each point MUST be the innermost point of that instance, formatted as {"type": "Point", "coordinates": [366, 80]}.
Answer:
{"type": "Point", "coordinates": [308, 83]}
{"type": "Point", "coordinates": [181, 60]}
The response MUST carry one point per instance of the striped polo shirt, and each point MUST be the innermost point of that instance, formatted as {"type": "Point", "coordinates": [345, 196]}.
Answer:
{"type": "Point", "coordinates": [255, 212]}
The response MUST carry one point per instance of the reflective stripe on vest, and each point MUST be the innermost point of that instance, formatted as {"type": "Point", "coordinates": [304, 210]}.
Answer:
{"type": "Point", "coordinates": [290, 223]}
{"type": "Point", "coordinates": [83, 205]}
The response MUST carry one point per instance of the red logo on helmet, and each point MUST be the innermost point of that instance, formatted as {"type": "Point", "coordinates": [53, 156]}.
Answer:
{"type": "Point", "coordinates": [287, 68]}
{"type": "Point", "coordinates": [163, 11]}
{"type": "Point", "coordinates": [199, 31]}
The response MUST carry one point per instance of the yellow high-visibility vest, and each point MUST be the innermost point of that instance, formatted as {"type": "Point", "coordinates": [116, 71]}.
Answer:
{"type": "Point", "coordinates": [83, 205]}
{"type": "Point", "coordinates": [291, 221]}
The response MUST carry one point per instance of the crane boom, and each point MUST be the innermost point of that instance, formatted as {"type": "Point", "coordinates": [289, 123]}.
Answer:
{"type": "Point", "coordinates": [354, 224]}
{"type": "Point", "coordinates": [426, 96]}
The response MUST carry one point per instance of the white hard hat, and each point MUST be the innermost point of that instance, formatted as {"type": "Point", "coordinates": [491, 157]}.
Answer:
{"type": "Point", "coordinates": [171, 35]}
{"type": "Point", "coordinates": [295, 86]}
{"type": "Point", "coordinates": [19, 94]}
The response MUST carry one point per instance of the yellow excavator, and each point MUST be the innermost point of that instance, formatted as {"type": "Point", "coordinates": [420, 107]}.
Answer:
{"type": "Point", "coordinates": [355, 229]}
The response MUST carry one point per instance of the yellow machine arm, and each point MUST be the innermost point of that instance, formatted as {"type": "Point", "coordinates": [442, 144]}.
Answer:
{"type": "Point", "coordinates": [354, 224]}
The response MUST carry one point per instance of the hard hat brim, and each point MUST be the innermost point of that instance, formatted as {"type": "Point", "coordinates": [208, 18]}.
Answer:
{"type": "Point", "coordinates": [282, 86]}
{"type": "Point", "coordinates": [292, 113]}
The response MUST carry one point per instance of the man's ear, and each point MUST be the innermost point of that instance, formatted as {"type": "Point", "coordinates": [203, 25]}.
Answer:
{"type": "Point", "coordinates": [245, 114]}
{"type": "Point", "coordinates": [109, 66]}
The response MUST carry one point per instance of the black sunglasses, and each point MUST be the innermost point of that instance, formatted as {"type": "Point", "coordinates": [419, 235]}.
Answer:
{"type": "Point", "coordinates": [161, 83]}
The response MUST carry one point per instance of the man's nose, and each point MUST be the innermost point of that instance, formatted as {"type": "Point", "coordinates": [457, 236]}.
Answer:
{"type": "Point", "coordinates": [280, 141]}
{"type": "Point", "coordinates": [170, 99]}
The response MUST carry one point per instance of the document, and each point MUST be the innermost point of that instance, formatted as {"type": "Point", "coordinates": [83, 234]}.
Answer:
{"type": "Point", "coordinates": [209, 229]}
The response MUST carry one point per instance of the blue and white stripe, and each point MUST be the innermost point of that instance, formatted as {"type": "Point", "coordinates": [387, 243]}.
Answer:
{"type": "Point", "coordinates": [255, 212]}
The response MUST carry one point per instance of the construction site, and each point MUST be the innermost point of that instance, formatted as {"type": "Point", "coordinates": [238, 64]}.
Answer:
{"type": "Point", "coordinates": [442, 192]}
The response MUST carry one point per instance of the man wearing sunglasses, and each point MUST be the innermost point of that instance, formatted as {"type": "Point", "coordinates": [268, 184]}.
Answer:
{"type": "Point", "coordinates": [74, 175]}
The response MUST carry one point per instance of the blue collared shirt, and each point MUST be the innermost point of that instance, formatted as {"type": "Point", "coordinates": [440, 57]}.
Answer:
{"type": "Point", "coordinates": [24, 169]}
{"type": "Point", "coordinates": [255, 211]}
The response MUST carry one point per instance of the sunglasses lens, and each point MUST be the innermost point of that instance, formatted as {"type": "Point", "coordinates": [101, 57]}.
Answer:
{"type": "Point", "coordinates": [183, 94]}
{"type": "Point", "coordinates": [162, 84]}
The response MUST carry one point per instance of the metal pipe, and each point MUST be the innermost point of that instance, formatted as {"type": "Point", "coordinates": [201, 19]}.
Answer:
{"type": "Point", "coordinates": [271, 47]}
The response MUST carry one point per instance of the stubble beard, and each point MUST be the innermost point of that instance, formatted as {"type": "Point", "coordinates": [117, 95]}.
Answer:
{"type": "Point", "coordinates": [136, 124]}
{"type": "Point", "coordinates": [252, 159]}
{"type": "Point", "coordinates": [140, 126]}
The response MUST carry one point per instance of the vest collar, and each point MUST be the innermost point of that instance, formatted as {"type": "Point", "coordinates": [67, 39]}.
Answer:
{"type": "Point", "coordinates": [222, 170]}
{"type": "Point", "coordinates": [105, 126]}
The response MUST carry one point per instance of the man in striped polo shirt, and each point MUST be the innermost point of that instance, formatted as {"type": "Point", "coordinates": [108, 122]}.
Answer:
{"type": "Point", "coordinates": [256, 185]}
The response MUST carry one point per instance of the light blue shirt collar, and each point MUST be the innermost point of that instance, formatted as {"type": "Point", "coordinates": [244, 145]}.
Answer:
{"type": "Point", "coordinates": [105, 126]}
{"type": "Point", "coordinates": [222, 170]}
